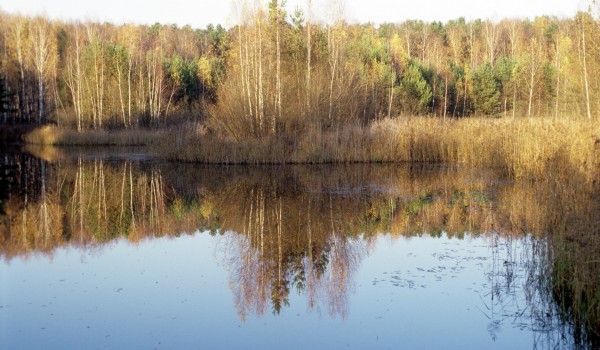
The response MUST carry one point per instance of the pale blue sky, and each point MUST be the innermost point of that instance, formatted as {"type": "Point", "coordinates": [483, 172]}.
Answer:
{"type": "Point", "coordinates": [201, 12]}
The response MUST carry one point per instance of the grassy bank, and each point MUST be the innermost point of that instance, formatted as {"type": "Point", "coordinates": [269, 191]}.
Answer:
{"type": "Point", "coordinates": [52, 135]}
{"type": "Point", "coordinates": [521, 148]}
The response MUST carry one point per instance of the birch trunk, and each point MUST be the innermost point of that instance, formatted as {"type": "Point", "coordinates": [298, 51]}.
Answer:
{"type": "Point", "coordinates": [308, 56]}
{"type": "Point", "coordinates": [585, 74]}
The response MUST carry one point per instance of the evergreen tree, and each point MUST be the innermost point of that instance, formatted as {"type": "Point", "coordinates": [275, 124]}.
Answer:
{"type": "Point", "coordinates": [416, 92]}
{"type": "Point", "coordinates": [486, 90]}
{"type": "Point", "coordinates": [505, 72]}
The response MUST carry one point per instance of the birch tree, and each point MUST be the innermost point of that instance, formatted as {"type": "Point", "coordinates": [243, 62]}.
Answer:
{"type": "Point", "coordinates": [18, 33]}
{"type": "Point", "coordinates": [533, 70]}
{"type": "Point", "coordinates": [585, 67]}
{"type": "Point", "coordinates": [74, 77]}
{"type": "Point", "coordinates": [41, 55]}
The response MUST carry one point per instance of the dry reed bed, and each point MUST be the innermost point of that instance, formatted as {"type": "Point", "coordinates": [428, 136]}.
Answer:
{"type": "Point", "coordinates": [52, 135]}
{"type": "Point", "coordinates": [521, 148]}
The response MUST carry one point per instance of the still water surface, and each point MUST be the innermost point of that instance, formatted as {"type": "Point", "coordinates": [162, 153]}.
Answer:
{"type": "Point", "coordinates": [126, 252]}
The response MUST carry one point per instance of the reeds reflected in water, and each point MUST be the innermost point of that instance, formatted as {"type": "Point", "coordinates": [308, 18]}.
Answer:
{"type": "Point", "coordinates": [308, 228]}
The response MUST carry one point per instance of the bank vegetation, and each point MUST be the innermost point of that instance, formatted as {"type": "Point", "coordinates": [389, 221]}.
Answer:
{"type": "Point", "coordinates": [292, 86]}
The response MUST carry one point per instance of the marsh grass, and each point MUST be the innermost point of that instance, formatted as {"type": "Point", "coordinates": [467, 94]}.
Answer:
{"type": "Point", "coordinates": [52, 135]}
{"type": "Point", "coordinates": [569, 219]}
{"type": "Point", "coordinates": [522, 148]}
{"type": "Point", "coordinates": [575, 261]}
{"type": "Point", "coordinates": [576, 284]}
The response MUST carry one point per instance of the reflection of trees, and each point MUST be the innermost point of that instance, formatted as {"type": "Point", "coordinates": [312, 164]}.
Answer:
{"type": "Point", "coordinates": [286, 240]}
{"type": "Point", "coordinates": [305, 229]}
{"type": "Point", "coordinates": [82, 203]}
{"type": "Point", "coordinates": [103, 202]}
{"type": "Point", "coordinates": [31, 220]}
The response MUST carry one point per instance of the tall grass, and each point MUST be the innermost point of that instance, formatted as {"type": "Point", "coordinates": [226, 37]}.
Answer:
{"type": "Point", "coordinates": [52, 135]}
{"type": "Point", "coordinates": [521, 148]}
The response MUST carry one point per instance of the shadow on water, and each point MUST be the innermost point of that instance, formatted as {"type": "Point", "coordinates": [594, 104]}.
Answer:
{"type": "Point", "coordinates": [307, 228]}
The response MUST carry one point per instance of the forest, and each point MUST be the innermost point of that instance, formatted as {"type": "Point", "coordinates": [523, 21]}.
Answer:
{"type": "Point", "coordinates": [279, 71]}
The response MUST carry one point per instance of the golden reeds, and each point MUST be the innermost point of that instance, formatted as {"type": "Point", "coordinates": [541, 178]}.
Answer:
{"type": "Point", "coordinates": [521, 148]}
{"type": "Point", "coordinates": [52, 135]}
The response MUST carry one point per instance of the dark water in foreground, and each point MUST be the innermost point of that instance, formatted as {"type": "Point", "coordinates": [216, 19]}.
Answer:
{"type": "Point", "coordinates": [124, 252]}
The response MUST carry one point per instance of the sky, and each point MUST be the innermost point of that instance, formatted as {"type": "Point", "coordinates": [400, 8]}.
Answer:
{"type": "Point", "coordinates": [199, 13]}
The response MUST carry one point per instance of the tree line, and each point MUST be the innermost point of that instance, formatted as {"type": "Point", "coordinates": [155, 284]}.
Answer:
{"type": "Point", "coordinates": [93, 75]}
{"type": "Point", "coordinates": [280, 71]}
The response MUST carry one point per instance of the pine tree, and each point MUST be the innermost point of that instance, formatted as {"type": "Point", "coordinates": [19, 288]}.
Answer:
{"type": "Point", "coordinates": [416, 91]}
{"type": "Point", "coordinates": [486, 90]}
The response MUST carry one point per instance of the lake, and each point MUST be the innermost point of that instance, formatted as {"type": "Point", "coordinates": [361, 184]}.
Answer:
{"type": "Point", "coordinates": [114, 249]}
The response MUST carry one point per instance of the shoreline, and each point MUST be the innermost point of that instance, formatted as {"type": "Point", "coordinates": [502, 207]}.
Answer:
{"type": "Point", "coordinates": [521, 148]}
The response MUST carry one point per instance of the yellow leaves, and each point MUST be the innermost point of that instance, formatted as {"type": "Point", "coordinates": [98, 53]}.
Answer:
{"type": "Point", "coordinates": [207, 208]}
{"type": "Point", "coordinates": [565, 45]}
{"type": "Point", "coordinates": [205, 71]}
{"type": "Point", "coordinates": [398, 49]}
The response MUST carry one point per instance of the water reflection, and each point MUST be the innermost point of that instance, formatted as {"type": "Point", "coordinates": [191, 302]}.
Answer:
{"type": "Point", "coordinates": [301, 229]}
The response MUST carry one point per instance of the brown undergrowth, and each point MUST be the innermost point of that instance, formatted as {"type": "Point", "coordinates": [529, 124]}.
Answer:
{"type": "Point", "coordinates": [521, 148]}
